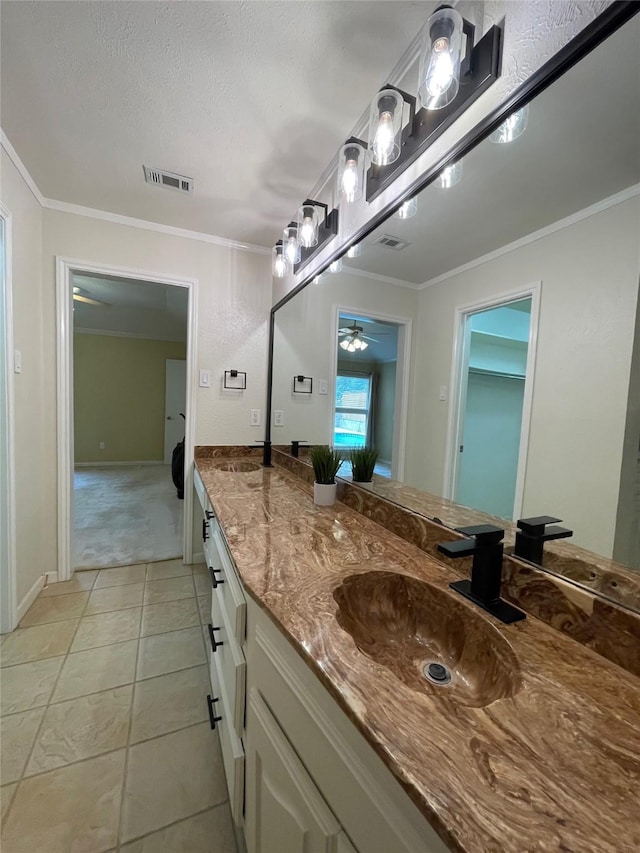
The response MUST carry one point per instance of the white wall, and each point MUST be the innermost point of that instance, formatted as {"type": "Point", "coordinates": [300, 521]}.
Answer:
{"type": "Point", "coordinates": [589, 274]}
{"type": "Point", "coordinates": [304, 343]}
{"type": "Point", "coordinates": [34, 393]}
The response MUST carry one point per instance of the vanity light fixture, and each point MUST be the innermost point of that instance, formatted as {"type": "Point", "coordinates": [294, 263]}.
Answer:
{"type": "Point", "coordinates": [408, 209]}
{"type": "Point", "coordinates": [336, 266]}
{"type": "Point", "coordinates": [351, 163]}
{"type": "Point", "coordinates": [314, 231]}
{"type": "Point", "coordinates": [513, 127]}
{"type": "Point", "coordinates": [354, 251]}
{"type": "Point", "coordinates": [450, 175]}
{"type": "Point", "coordinates": [385, 124]}
{"type": "Point", "coordinates": [453, 73]}
{"type": "Point", "coordinates": [278, 261]}
{"type": "Point", "coordinates": [291, 244]}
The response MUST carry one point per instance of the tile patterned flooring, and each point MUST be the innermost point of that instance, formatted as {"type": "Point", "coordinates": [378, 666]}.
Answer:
{"type": "Point", "coordinates": [106, 744]}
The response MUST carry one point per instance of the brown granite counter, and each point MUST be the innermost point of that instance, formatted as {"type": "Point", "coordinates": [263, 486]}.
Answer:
{"type": "Point", "coordinates": [553, 767]}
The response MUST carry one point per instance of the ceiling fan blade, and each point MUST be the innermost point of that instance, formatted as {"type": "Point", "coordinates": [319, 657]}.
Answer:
{"type": "Point", "coordinates": [369, 338]}
{"type": "Point", "coordinates": [88, 300]}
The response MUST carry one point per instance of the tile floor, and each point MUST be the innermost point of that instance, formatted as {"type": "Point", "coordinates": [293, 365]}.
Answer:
{"type": "Point", "coordinates": [106, 744]}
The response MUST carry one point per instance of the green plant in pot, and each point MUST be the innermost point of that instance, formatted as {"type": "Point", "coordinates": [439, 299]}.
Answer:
{"type": "Point", "coordinates": [326, 462]}
{"type": "Point", "coordinates": [363, 461]}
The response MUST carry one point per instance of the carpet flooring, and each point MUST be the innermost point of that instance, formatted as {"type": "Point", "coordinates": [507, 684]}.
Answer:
{"type": "Point", "coordinates": [125, 515]}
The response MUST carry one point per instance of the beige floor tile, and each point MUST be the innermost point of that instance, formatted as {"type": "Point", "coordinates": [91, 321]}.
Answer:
{"type": "Point", "coordinates": [55, 609]}
{"type": "Point", "coordinates": [199, 569]}
{"type": "Point", "coordinates": [17, 734]}
{"type": "Point", "coordinates": [152, 799]}
{"type": "Point", "coordinates": [82, 728]}
{"type": "Point", "coordinates": [106, 628]}
{"type": "Point", "coordinates": [167, 569]}
{"type": "Point", "coordinates": [6, 794]}
{"type": "Point", "coordinates": [28, 685]}
{"type": "Point", "coordinates": [170, 702]}
{"type": "Point", "coordinates": [204, 608]}
{"type": "Point", "coordinates": [168, 589]}
{"type": "Point", "coordinates": [121, 576]}
{"type": "Point", "coordinates": [37, 643]}
{"type": "Point", "coordinates": [71, 810]}
{"type": "Point", "coordinates": [203, 583]}
{"type": "Point", "coordinates": [170, 652]}
{"type": "Point", "coordinates": [96, 670]}
{"type": "Point", "coordinates": [80, 582]}
{"type": "Point", "coordinates": [115, 598]}
{"type": "Point", "coordinates": [169, 616]}
{"type": "Point", "coordinates": [205, 833]}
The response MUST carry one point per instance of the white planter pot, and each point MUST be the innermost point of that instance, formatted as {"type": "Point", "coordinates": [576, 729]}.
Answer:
{"type": "Point", "coordinates": [324, 494]}
{"type": "Point", "coordinates": [364, 484]}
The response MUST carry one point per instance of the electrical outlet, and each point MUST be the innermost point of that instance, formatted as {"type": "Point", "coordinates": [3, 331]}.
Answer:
{"type": "Point", "coordinates": [254, 419]}
{"type": "Point", "coordinates": [101, 445]}
{"type": "Point", "coordinates": [278, 417]}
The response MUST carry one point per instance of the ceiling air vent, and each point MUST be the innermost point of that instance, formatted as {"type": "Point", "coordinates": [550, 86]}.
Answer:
{"type": "Point", "coordinates": [392, 242]}
{"type": "Point", "coordinates": [168, 179]}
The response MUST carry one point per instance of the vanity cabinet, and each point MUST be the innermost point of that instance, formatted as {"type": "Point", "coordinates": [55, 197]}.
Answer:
{"type": "Point", "coordinates": [310, 781]}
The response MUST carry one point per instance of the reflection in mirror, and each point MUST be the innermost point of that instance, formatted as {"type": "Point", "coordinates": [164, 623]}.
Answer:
{"type": "Point", "coordinates": [514, 291]}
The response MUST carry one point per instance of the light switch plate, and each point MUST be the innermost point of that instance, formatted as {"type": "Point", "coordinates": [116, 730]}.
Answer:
{"type": "Point", "coordinates": [443, 393]}
{"type": "Point", "coordinates": [323, 386]}
{"type": "Point", "coordinates": [17, 361]}
{"type": "Point", "coordinates": [205, 379]}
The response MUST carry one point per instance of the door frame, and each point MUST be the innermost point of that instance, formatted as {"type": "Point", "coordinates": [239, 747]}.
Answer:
{"type": "Point", "coordinates": [401, 407]}
{"type": "Point", "coordinates": [458, 385]}
{"type": "Point", "coordinates": [64, 367]}
{"type": "Point", "coordinates": [8, 542]}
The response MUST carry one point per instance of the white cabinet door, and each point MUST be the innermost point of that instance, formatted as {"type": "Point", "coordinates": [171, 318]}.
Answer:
{"type": "Point", "coordinates": [284, 811]}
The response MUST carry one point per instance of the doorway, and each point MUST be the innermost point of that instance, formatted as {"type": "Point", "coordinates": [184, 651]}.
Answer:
{"type": "Point", "coordinates": [496, 342]}
{"type": "Point", "coordinates": [111, 408]}
{"type": "Point", "coordinates": [370, 386]}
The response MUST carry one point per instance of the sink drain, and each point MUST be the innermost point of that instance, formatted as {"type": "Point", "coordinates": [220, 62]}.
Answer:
{"type": "Point", "coordinates": [436, 673]}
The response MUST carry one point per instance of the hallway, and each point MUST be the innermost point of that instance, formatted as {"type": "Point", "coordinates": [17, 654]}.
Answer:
{"type": "Point", "coordinates": [105, 732]}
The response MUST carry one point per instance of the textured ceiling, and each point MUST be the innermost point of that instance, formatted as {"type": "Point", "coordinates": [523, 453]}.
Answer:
{"type": "Point", "coordinates": [251, 99]}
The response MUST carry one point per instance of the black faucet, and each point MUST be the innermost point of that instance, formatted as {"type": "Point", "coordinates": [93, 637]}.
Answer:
{"type": "Point", "coordinates": [532, 535]}
{"type": "Point", "coordinates": [486, 548]}
{"type": "Point", "coordinates": [295, 447]}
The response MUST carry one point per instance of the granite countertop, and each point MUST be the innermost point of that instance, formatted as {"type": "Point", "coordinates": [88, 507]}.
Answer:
{"type": "Point", "coordinates": [556, 766]}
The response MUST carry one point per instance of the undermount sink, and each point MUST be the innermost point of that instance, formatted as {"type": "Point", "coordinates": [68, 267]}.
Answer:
{"type": "Point", "coordinates": [237, 466]}
{"type": "Point", "coordinates": [407, 625]}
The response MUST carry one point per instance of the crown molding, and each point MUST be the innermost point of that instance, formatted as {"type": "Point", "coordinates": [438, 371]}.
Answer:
{"type": "Point", "coordinates": [585, 213]}
{"type": "Point", "coordinates": [118, 218]}
{"type": "Point", "coordinates": [385, 279]}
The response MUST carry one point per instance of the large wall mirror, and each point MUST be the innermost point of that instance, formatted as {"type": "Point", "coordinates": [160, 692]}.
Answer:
{"type": "Point", "coordinates": [501, 366]}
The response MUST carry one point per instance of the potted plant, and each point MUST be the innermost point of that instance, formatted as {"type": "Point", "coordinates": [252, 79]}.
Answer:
{"type": "Point", "coordinates": [326, 461]}
{"type": "Point", "coordinates": [363, 461]}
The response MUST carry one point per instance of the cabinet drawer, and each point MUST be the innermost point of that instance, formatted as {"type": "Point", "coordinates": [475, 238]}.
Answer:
{"type": "Point", "coordinates": [231, 746]}
{"type": "Point", "coordinates": [230, 662]}
{"type": "Point", "coordinates": [230, 592]}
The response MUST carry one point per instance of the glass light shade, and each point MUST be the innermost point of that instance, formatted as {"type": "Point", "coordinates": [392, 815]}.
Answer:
{"type": "Point", "coordinates": [291, 244]}
{"type": "Point", "coordinates": [351, 163]}
{"type": "Point", "coordinates": [408, 209]}
{"type": "Point", "coordinates": [450, 175]}
{"type": "Point", "coordinates": [513, 127]}
{"type": "Point", "coordinates": [363, 345]}
{"type": "Point", "coordinates": [354, 251]}
{"type": "Point", "coordinates": [385, 127]}
{"type": "Point", "coordinates": [278, 261]}
{"type": "Point", "coordinates": [308, 224]}
{"type": "Point", "coordinates": [336, 266]}
{"type": "Point", "coordinates": [439, 74]}
{"type": "Point", "coordinates": [345, 343]}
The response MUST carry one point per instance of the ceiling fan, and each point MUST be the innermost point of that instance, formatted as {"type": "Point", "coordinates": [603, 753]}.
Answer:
{"type": "Point", "coordinates": [354, 338]}
{"type": "Point", "coordinates": [80, 295]}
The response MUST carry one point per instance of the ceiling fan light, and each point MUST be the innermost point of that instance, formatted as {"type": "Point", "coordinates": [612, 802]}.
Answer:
{"type": "Point", "coordinates": [363, 345]}
{"type": "Point", "coordinates": [345, 343]}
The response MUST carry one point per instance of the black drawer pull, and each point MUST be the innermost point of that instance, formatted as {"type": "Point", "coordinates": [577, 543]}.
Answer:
{"type": "Point", "coordinates": [214, 580]}
{"type": "Point", "coordinates": [209, 513]}
{"type": "Point", "coordinates": [214, 643]}
{"type": "Point", "coordinates": [213, 719]}
{"type": "Point", "coordinates": [205, 530]}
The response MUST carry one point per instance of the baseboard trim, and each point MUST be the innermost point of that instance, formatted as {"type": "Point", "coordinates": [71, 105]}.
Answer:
{"type": "Point", "coordinates": [51, 577]}
{"type": "Point", "coordinates": [197, 558]}
{"type": "Point", "coordinates": [31, 596]}
{"type": "Point", "coordinates": [120, 464]}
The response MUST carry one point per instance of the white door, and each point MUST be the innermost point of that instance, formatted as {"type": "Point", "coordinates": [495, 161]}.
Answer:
{"type": "Point", "coordinates": [174, 403]}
